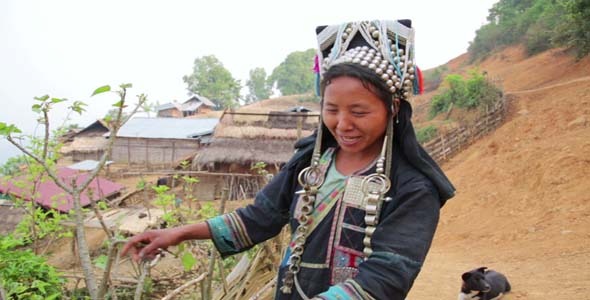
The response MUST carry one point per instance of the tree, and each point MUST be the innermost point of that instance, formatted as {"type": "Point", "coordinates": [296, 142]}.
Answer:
{"type": "Point", "coordinates": [212, 80]}
{"type": "Point", "coordinates": [13, 165]}
{"type": "Point", "coordinates": [295, 74]}
{"type": "Point", "coordinates": [258, 85]}
{"type": "Point", "coordinates": [43, 154]}
{"type": "Point", "coordinates": [574, 31]}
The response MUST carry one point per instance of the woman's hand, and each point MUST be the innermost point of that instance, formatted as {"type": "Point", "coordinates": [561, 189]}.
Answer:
{"type": "Point", "coordinates": [150, 243]}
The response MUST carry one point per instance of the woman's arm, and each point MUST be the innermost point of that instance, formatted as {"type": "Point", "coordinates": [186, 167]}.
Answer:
{"type": "Point", "coordinates": [147, 244]}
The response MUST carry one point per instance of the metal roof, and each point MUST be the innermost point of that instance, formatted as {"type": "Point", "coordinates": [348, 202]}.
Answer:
{"type": "Point", "coordinates": [203, 99]}
{"type": "Point", "coordinates": [87, 165]}
{"type": "Point", "coordinates": [50, 195]}
{"type": "Point", "coordinates": [167, 128]}
{"type": "Point", "coordinates": [191, 106]}
{"type": "Point", "coordinates": [168, 105]}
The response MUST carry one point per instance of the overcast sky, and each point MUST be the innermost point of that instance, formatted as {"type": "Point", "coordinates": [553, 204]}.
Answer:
{"type": "Point", "coordinates": [68, 48]}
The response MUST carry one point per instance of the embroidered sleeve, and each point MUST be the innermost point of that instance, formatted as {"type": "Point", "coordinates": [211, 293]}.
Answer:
{"type": "Point", "coordinates": [229, 234]}
{"type": "Point", "coordinates": [349, 289]}
{"type": "Point", "coordinates": [240, 230]}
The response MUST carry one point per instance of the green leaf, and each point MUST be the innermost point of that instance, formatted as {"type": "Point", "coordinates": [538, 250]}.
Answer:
{"type": "Point", "coordinates": [58, 100]}
{"type": "Point", "coordinates": [126, 85]}
{"type": "Point", "coordinates": [42, 98]}
{"type": "Point", "coordinates": [102, 89]}
{"type": "Point", "coordinates": [78, 106]}
{"type": "Point", "coordinates": [101, 262]}
{"type": "Point", "coordinates": [53, 296]}
{"type": "Point", "coordinates": [118, 104]}
{"type": "Point", "coordinates": [36, 108]}
{"type": "Point", "coordinates": [188, 261]}
{"type": "Point", "coordinates": [7, 130]}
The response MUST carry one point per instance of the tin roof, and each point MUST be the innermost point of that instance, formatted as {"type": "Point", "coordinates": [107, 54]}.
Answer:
{"type": "Point", "coordinates": [87, 165]}
{"type": "Point", "coordinates": [50, 195]}
{"type": "Point", "coordinates": [167, 128]}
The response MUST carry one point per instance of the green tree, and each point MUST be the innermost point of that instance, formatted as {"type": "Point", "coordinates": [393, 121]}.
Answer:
{"type": "Point", "coordinates": [538, 24]}
{"type": "Point", "coordinates": [12, 165]}
{"type": "Point", "coordinates": [212, 80]}
{"type": "Point", "coordinates": [574, 31]}
{"type": "Point", "coordinates": [295, 74]}
{"type": "Point", "coordinates": [258, 85]}
{"type": "Point", "coordinates": [43, 150]}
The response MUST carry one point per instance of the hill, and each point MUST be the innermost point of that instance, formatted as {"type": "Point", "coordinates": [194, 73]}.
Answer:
{"type": "Point", "coordinates": [522, 205]}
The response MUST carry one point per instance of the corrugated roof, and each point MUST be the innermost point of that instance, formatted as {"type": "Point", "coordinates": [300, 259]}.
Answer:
{"type": "Point", "coordinates": [50, 195]}
{"type": "Point", "coordinates": [87, 165]}
{"type": "Point", "coordinates": [203, 99]}
{"type": "Point", "coordinates": [168, 105]}
{"type": "Point", "coordinates": [191, 106]}
{"type": "Point", "coordinates": [167, 128]}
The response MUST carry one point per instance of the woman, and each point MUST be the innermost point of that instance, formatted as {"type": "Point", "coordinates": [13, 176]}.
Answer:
{"type": "Point", "coordinates": [362, 197]}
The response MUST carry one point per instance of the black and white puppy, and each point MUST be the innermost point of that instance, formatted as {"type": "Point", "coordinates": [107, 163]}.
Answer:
{"type": "Point", "coordinates": [483, 284]}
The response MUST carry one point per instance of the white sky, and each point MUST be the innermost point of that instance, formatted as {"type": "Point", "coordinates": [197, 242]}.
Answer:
{"type": "Point", "coordinates": [68, 48]}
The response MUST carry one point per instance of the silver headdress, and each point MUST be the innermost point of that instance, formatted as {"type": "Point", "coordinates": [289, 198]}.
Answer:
{"type": "Point", "coordinates": [386, 47]}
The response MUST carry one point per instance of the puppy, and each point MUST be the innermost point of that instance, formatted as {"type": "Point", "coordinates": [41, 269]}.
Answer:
{"type": "Point", "coordinates": [483, 284]}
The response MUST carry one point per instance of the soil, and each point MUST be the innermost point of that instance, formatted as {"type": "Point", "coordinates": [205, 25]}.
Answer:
{"type": "Point", "coordinates": [523, 204]}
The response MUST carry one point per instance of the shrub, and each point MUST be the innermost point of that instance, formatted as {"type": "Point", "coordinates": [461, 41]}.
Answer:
{"type": "Point", "coordinates": [24, 275]}
{"type": "Point", "coordinates": [426, 134]}
{"type": "Point", "coordinates": [476, 91]}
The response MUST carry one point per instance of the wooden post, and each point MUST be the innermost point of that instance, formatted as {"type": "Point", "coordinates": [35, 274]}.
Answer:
{"type": "Point", "coordinates": [442, 143]}
{"type": "Point", "coordinates": [299, 126]}
{"type": "Point", "coordinates": [147, 155]}
{"type": "Point", "coordinates": [173, 151]}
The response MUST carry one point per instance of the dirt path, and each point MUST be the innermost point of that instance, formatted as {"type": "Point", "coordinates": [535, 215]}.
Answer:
{"type": "Point", "coordinates": [522, 204]}
{"type": "Point", "coordinates": [553, 86]}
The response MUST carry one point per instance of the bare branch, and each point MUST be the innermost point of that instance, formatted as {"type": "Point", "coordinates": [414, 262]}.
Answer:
{"type": "Point", "coordinates": [184, 286]}
{"type": "Point", "coordinates": [50, 172]}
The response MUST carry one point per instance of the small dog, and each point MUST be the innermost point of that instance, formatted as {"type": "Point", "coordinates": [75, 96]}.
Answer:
{"type": "Point", "coordinates": [483, 284]}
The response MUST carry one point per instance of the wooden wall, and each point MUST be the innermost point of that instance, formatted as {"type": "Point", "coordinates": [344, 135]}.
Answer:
{"type": "Point", "coordinates": [152, 151]}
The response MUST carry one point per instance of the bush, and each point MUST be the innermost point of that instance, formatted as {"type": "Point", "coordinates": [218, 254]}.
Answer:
{"type": "Point", "coordinates": [476, 91]}
{"type": "Point", "coordinates": [24, 275]}
{"type": "Point", "coordinates": [426, 134]}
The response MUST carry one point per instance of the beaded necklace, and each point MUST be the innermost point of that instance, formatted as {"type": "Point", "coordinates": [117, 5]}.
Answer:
{"type": "Point", "coordinates": [373, 188]}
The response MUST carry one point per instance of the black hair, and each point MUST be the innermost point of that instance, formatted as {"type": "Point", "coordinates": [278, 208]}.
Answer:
{"type": "Point", "coordinates": [368, 77]}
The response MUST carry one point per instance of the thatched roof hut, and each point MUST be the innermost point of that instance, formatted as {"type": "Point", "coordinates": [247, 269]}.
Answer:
{"type": "Point", "coordinates": [84, 144]}
{"type": "Point", "coordinates": [256, 134]}
{"type": "Point", "coordinates": [88, 143]}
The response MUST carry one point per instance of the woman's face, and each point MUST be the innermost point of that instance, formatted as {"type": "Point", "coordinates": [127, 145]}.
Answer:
{"type": "Point", "coordinates": [355, 116]}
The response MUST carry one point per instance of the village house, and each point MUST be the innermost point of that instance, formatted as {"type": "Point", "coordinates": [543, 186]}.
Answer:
{"type": "Point", "coordinates": [246, 139]}
{"type": "Point", "coordinates": [160, 141]}
{"type": "Point", "coordinates": [88, 143]}
{"type": "Point", "coordinates": [195, 105]}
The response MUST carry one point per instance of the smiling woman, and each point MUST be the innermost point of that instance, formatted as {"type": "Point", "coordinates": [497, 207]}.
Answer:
{"type": "Point", "coordinates": [361, 196]}
{"type": "Point", "coordinates": [354, 115]}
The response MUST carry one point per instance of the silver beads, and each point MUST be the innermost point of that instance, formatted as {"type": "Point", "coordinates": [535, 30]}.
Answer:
{"type": "Point", "coordinates": [381, 54]}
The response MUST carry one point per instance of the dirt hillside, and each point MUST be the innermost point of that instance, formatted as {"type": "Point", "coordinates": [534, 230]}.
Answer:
{"type": "Point", "coordinates": [523, 203]}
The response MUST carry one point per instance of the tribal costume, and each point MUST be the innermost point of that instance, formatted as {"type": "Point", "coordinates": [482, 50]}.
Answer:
{"type": "Point", "coordinates": [363, 236]}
